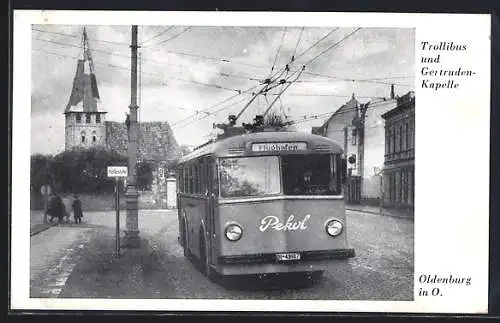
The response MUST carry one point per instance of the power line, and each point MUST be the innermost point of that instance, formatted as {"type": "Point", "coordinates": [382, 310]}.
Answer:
{"type": "Point", "coordinates": [157, 76]}
{"type": "Point", "coordinates": [173, 37]}
{"type": "Point", "coordinates": [373, 105]}
{"type": "Point", "coordinates": [279, 48]}
{"type": "Point", "coordinates": [297, 45]}
{"type": "Point", "coordinates": [214, 106]}
{"type": "Point", "coordinates": [157, 35]}
{"type": "Point", "coordinates": [220, 59]}
{"type": "Point", "coordinates": [332, 46]}
{"type": "Point", "coordinates": [76, 36]}
{"type": "Point", "coordinates": [389, 78]}
{"type": "Point", "coordinates": [315, 44]}
{"type": "Point", "coordinates": [349, 80]}
{"type": "Point", "coordinates": [151, 60]}
{"type": "Point", "coordinates": [329, 94]}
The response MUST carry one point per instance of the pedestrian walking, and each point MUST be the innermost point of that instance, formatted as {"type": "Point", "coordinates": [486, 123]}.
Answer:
{"type": "Point", "coordinates": [77, 209]}
{"type": "Point", "coordinates": [57, 208]}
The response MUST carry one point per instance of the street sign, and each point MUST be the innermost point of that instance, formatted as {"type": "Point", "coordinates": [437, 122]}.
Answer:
{"type": "Point", "coordinates": [117, 171]}
{"type": "Point", "coordinates": [45, 190]}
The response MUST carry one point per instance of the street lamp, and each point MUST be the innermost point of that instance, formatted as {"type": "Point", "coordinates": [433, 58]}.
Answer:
{"type": "Point", "coordinates": [131, 195]}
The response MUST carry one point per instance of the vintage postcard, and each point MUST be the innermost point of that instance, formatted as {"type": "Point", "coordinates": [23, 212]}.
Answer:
{"type": "Point", "coordinates": [244, 161]}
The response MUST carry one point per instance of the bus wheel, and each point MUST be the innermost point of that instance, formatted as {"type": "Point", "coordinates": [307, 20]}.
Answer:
{"type": "Point", "coordinates": [205, 266]}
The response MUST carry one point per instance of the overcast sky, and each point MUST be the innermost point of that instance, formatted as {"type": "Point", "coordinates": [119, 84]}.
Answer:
{"type": "Point", "coordinates": [187, 69]}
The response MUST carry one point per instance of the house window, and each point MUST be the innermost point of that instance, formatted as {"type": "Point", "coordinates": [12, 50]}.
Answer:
{"type": "Point", "coordinates": [97, 118]}
{"type": "Point", "coordinates": [407, 137]}
{"type": "Point", "coordinates": [388, 142]}
{"type": "Point", "coordinates": [87, 118]}
{"type": "Point", "coordinates": [94, 137]}
{"type": "Point", "coordinates": [83, 137]}
{"type": "Point", "coordinates": [400, 138]}
{"type": "Point", "coordinates": [393, 142]}
{"type": "Point", "coordinates": [353, 139]}
{"type": "Point", "coordinates": [78, 118]}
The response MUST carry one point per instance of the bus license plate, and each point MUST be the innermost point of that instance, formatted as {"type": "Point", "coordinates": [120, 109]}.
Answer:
{"type": "Point", "coordinates": [288, 256]}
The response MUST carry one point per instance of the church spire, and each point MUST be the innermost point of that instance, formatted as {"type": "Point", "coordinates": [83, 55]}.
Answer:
{"type": "Point", "coordinates": [85, 93]}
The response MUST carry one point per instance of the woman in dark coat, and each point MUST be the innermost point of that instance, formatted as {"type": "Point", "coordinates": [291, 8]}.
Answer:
{"type": "Point", "coordinates": [77, 210]}
{"type": "Point", "coordinates": [56, 208]}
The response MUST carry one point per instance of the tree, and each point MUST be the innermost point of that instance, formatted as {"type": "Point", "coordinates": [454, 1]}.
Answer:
{"type": "Point", "coordinates": [84, 171]}
{"type": "Point", "coordinates": [185, 149]}
{"type": "Point", "coordinates": [40, 171]}
{"type": "Point", "coordinates": [144, 175]}
{"type": "Point", "coordinates": [275, 120]}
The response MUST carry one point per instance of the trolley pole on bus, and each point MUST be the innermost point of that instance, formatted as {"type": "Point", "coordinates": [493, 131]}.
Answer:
{"type": "Point", "coordinates": [131, 194]}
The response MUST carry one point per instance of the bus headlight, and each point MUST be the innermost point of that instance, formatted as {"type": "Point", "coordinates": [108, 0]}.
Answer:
{"type": "Point", "coordinates": [333, 227]}
{"type": "Point", "coordinates": [233, 232]}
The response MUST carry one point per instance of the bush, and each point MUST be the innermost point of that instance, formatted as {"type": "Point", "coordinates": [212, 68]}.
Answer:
{"type": "Point", "coordinates": [76, 171]}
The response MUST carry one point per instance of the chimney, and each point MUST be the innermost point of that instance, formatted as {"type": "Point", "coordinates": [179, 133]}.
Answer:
{"type": "Point", "coordinates": [392, 92]}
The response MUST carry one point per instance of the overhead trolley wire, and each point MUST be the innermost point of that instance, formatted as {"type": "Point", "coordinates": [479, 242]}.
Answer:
{"type": "Point", "coordinates": [245, 77]}
{"type": "Point", "coordinates": [157, 35]}
{"type": "Point", "coordinates": [297, 45]}
{"type": "Point", "coordinates": [78, 37]}
{"type": "Point", "coordinates": [170, 38]}
{"type": "Point", "coordinates": [349, 80]}
{"type": "Point", "coordinates": [156, 75]}
{"type": "Point", "coordinates": [220, 59]}
{"type": "Point", "coordinates": [279, 48]}
{"type": "Point", "coordinates": [333, 45]}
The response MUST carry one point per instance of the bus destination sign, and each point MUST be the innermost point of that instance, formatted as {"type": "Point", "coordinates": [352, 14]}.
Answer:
{"type": "Point", "coordinates": [279, 146]}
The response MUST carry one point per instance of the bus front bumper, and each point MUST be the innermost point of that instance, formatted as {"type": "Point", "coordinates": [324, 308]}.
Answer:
{"type": "Point", "coordinates": [267, 263]}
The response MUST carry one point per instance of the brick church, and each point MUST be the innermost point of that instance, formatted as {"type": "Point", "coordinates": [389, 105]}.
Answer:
{"type": "Point", "coordinates": [86, 126]}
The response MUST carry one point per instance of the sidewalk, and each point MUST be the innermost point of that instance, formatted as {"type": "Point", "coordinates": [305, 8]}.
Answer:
{"type": "Point", "coordinates": [36, 222]}
{"type": "Point", "coordinates": [99, 273]}
{"type": "Point", "coordinates": [397, 213]}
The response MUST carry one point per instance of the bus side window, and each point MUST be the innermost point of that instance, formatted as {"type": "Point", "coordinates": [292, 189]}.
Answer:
{"type": "Point", "coordinates": [198, 176]}
{"type": "Point", "coordinates": [215, 178]}
{"type": "Point", "coordinates": [204, 176]}
{"type": "Point", "coordinates": [179, 182]}
{"type": "Point", "coordinates": [185, 178]}
{"type": "Point", "coordinates": [190, 179]}
{"type": "Point", "coordinates": [208, 167]}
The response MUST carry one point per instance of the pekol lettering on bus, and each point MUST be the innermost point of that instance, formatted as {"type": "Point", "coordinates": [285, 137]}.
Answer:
{"type": "Point", "coordinates": [273, 222]}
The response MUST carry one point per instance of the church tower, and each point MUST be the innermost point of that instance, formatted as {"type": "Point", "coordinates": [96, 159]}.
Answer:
{"type": "Point", "coordinates": [85, 126]}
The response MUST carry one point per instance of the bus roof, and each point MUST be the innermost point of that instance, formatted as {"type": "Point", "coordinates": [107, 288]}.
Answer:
{"type": "Point", "coordinates": [236, 145]}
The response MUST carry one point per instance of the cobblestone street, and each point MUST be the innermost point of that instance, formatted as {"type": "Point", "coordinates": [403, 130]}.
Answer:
{"type": "Point", "coordinates": [78, 261]}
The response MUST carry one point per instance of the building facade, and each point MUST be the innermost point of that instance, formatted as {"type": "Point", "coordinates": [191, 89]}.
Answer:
{"type": "Point", "coordinates": [344, 127]}
{"type": "Point", "coordinates": [360, 127]}
{"type": "Point", "coordinates": [399, 164]}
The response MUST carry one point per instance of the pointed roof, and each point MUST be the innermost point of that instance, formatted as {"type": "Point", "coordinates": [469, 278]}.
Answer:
{"type": "Point", "coordinates": [85, 93]}
{"type": "Point", "coordinates": [351, 105]}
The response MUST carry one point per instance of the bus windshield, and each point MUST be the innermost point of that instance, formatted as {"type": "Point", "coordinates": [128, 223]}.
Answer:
{"type": "Point", "coordinates": [311, 175]}
{"type": "Point", "coordinates": [250, 176]}
{"type": "Point", "coordinates": [300, 174]}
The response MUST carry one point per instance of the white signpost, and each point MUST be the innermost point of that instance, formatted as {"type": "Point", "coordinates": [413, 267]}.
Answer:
{"type": "Point", "coordinates": [117, 172]}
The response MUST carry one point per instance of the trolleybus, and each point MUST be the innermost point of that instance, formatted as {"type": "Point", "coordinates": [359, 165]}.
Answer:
{"type": "Point", "coordinates": [265, 202]}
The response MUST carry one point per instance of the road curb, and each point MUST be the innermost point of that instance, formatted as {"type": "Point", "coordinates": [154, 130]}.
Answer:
{"type": "Point", "coordinates": [41, 228]}
{"type": "Point", "coordinates": [378, 213]}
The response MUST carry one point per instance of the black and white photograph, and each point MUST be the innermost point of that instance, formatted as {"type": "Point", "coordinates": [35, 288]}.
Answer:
{"type": "Point", "coordinates": [229, 162]}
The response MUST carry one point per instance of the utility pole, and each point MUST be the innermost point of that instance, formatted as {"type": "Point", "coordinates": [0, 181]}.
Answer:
{"type": "Point", "coordinates": [131, 194]}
